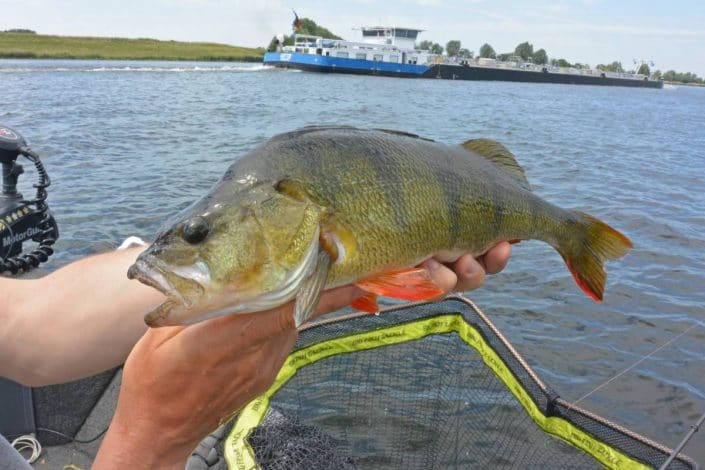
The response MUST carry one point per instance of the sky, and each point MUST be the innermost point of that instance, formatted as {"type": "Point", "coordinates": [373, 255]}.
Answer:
{"type": "Point", "coordinates": [669, 33]}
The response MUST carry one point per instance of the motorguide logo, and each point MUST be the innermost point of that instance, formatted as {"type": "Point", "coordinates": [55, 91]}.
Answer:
{"type": "Point", "coordinates": [7, 134]}
{"type": "Point", "coordinates": [20, 237]}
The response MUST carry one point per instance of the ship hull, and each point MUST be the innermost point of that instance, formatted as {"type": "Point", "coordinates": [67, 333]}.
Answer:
{"type": "Point", "coordinates": [325, 64]}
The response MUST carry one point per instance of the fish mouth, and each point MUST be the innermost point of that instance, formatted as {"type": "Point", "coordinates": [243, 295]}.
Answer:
{"type": "Point", "coordinates": [178, 285]}
{"type": "Point", "coordinates": [150, 276]}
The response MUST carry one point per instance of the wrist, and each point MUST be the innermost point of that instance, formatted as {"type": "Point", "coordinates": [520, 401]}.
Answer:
{"type": "Point", "coordinates": [140, 443]}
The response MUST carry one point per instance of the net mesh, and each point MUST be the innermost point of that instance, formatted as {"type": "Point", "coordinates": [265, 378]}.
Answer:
{"type": "Point", "coordinates": [430, 402]}
{"type": "Point", "coordinates": [285, 441]}
{"type": "Point", "coordinates": [400, 407]}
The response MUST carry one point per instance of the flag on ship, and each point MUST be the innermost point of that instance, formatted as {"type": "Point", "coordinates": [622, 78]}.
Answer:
{"type": "Point", "coordinates": [296, 24]}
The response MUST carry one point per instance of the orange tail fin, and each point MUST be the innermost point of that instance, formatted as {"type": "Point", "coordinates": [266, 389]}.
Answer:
{"type": "Point", "coordinates": [585, 252]}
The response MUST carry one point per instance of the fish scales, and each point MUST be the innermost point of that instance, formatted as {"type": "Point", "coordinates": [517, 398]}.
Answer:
{"type": "Point", "coordinates": [400, 200]}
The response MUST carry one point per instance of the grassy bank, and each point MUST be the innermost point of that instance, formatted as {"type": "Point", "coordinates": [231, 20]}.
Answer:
{"type": "Point", "coordinates": [39, 46]}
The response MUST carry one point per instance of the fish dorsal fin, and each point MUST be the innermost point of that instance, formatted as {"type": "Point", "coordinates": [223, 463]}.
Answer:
{"type": "Point", "coordinates": [403, 134]}
{"type": "Point", "coordinates": [500, 156]}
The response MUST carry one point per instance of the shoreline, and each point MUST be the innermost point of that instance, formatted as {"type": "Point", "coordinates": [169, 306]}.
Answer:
{"type": "Point", "coordinates": [40, 46]}
{"type": "Point", "coordinates": [135, 59]}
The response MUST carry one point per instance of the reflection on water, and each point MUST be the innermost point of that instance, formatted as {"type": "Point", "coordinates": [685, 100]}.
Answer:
{"type": "Point", "coordinates": [130, 143]}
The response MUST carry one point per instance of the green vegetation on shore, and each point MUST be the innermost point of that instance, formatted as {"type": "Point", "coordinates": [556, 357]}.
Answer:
{"type": "Point", "coordinates": [38, 46]}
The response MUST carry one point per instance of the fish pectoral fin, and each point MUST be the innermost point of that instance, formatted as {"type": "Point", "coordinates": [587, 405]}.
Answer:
{"type": "Point", "coordinates": [293, 188]}
{"type": "Point", "coordinates": [366, 303]}
{"type": "Point", "coordinates": [406, 284]}
{"type": "Point", "coordinates": [311, 287]}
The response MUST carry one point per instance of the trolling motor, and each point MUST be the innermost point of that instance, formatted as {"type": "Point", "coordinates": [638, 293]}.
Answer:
{"type": "Point", "coordinates": [23, 220]}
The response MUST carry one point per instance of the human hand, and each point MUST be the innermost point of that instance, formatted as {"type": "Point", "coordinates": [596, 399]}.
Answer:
{"type": "Point", "coordinates": [180, 382]}
{"type": "Point", "coordinates": [468, 273]}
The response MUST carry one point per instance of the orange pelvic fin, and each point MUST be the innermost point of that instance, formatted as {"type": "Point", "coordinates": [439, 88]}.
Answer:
{"type": "Point", "coordinates": [366, 303]}
{"type": "Point", "coordinates": [407, 284]}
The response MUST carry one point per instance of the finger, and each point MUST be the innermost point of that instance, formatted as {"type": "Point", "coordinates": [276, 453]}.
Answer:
{"type": "Point", "coordinates": [497, 257]}
{"type": "Point", "coordinates": [330, 301]}
{"type": "Point", "coordinates": [471, 274]}
{"type": "Point", "coordinates": [337, 298]}
{"type": "Point", "coordinates": [259, 326]}
{"type": "Point", "coordinates": [262, 325]}
{"type": "Point", "coordinates": [442, 276]}
{"type": "Point", "coordinates": [245, 329]}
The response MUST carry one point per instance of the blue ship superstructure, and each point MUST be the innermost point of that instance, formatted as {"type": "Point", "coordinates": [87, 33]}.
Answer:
{"type": "Point", "coordinates": [383, 50]}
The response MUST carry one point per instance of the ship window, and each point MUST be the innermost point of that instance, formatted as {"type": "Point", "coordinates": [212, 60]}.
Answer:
{"type": "Point", "coordinates": [361, 55]}
{"type": "Point", "coordinates": [377, 57]}
{"type": "Point", "coordinates": [393, 58]}
{"type": "Point", "coordinates": [342, 54]}
{"type": "Point", "coordinates": [405, 33]}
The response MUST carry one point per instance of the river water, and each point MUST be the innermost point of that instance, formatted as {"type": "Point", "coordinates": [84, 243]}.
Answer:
{"type": "Point", "coordinates": [128, 144]}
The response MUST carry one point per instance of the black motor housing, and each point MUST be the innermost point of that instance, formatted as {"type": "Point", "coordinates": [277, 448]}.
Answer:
{"type": "Point", "coordinates": [19, 223]}
{"type": "Point", "coordinates": [10, 144]}
{"type": "Point", "coordinates": [22, 220]}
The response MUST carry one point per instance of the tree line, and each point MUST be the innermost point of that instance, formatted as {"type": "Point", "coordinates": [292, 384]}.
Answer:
{"type": "Point", "coordinates": [19, 31]}
{"type": "Point", "coordinates": [673, 76]}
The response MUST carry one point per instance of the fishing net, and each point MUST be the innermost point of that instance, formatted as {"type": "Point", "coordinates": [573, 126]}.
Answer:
{"type": "Point", "coordinates": [426, 386]}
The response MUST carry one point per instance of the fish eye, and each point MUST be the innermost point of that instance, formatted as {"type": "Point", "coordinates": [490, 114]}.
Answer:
{"type": "Point", "coordinates": [195, 230]}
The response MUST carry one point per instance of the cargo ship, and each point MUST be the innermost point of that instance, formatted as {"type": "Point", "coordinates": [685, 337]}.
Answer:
{"type": "Point", "coordinates": [391, 52]}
